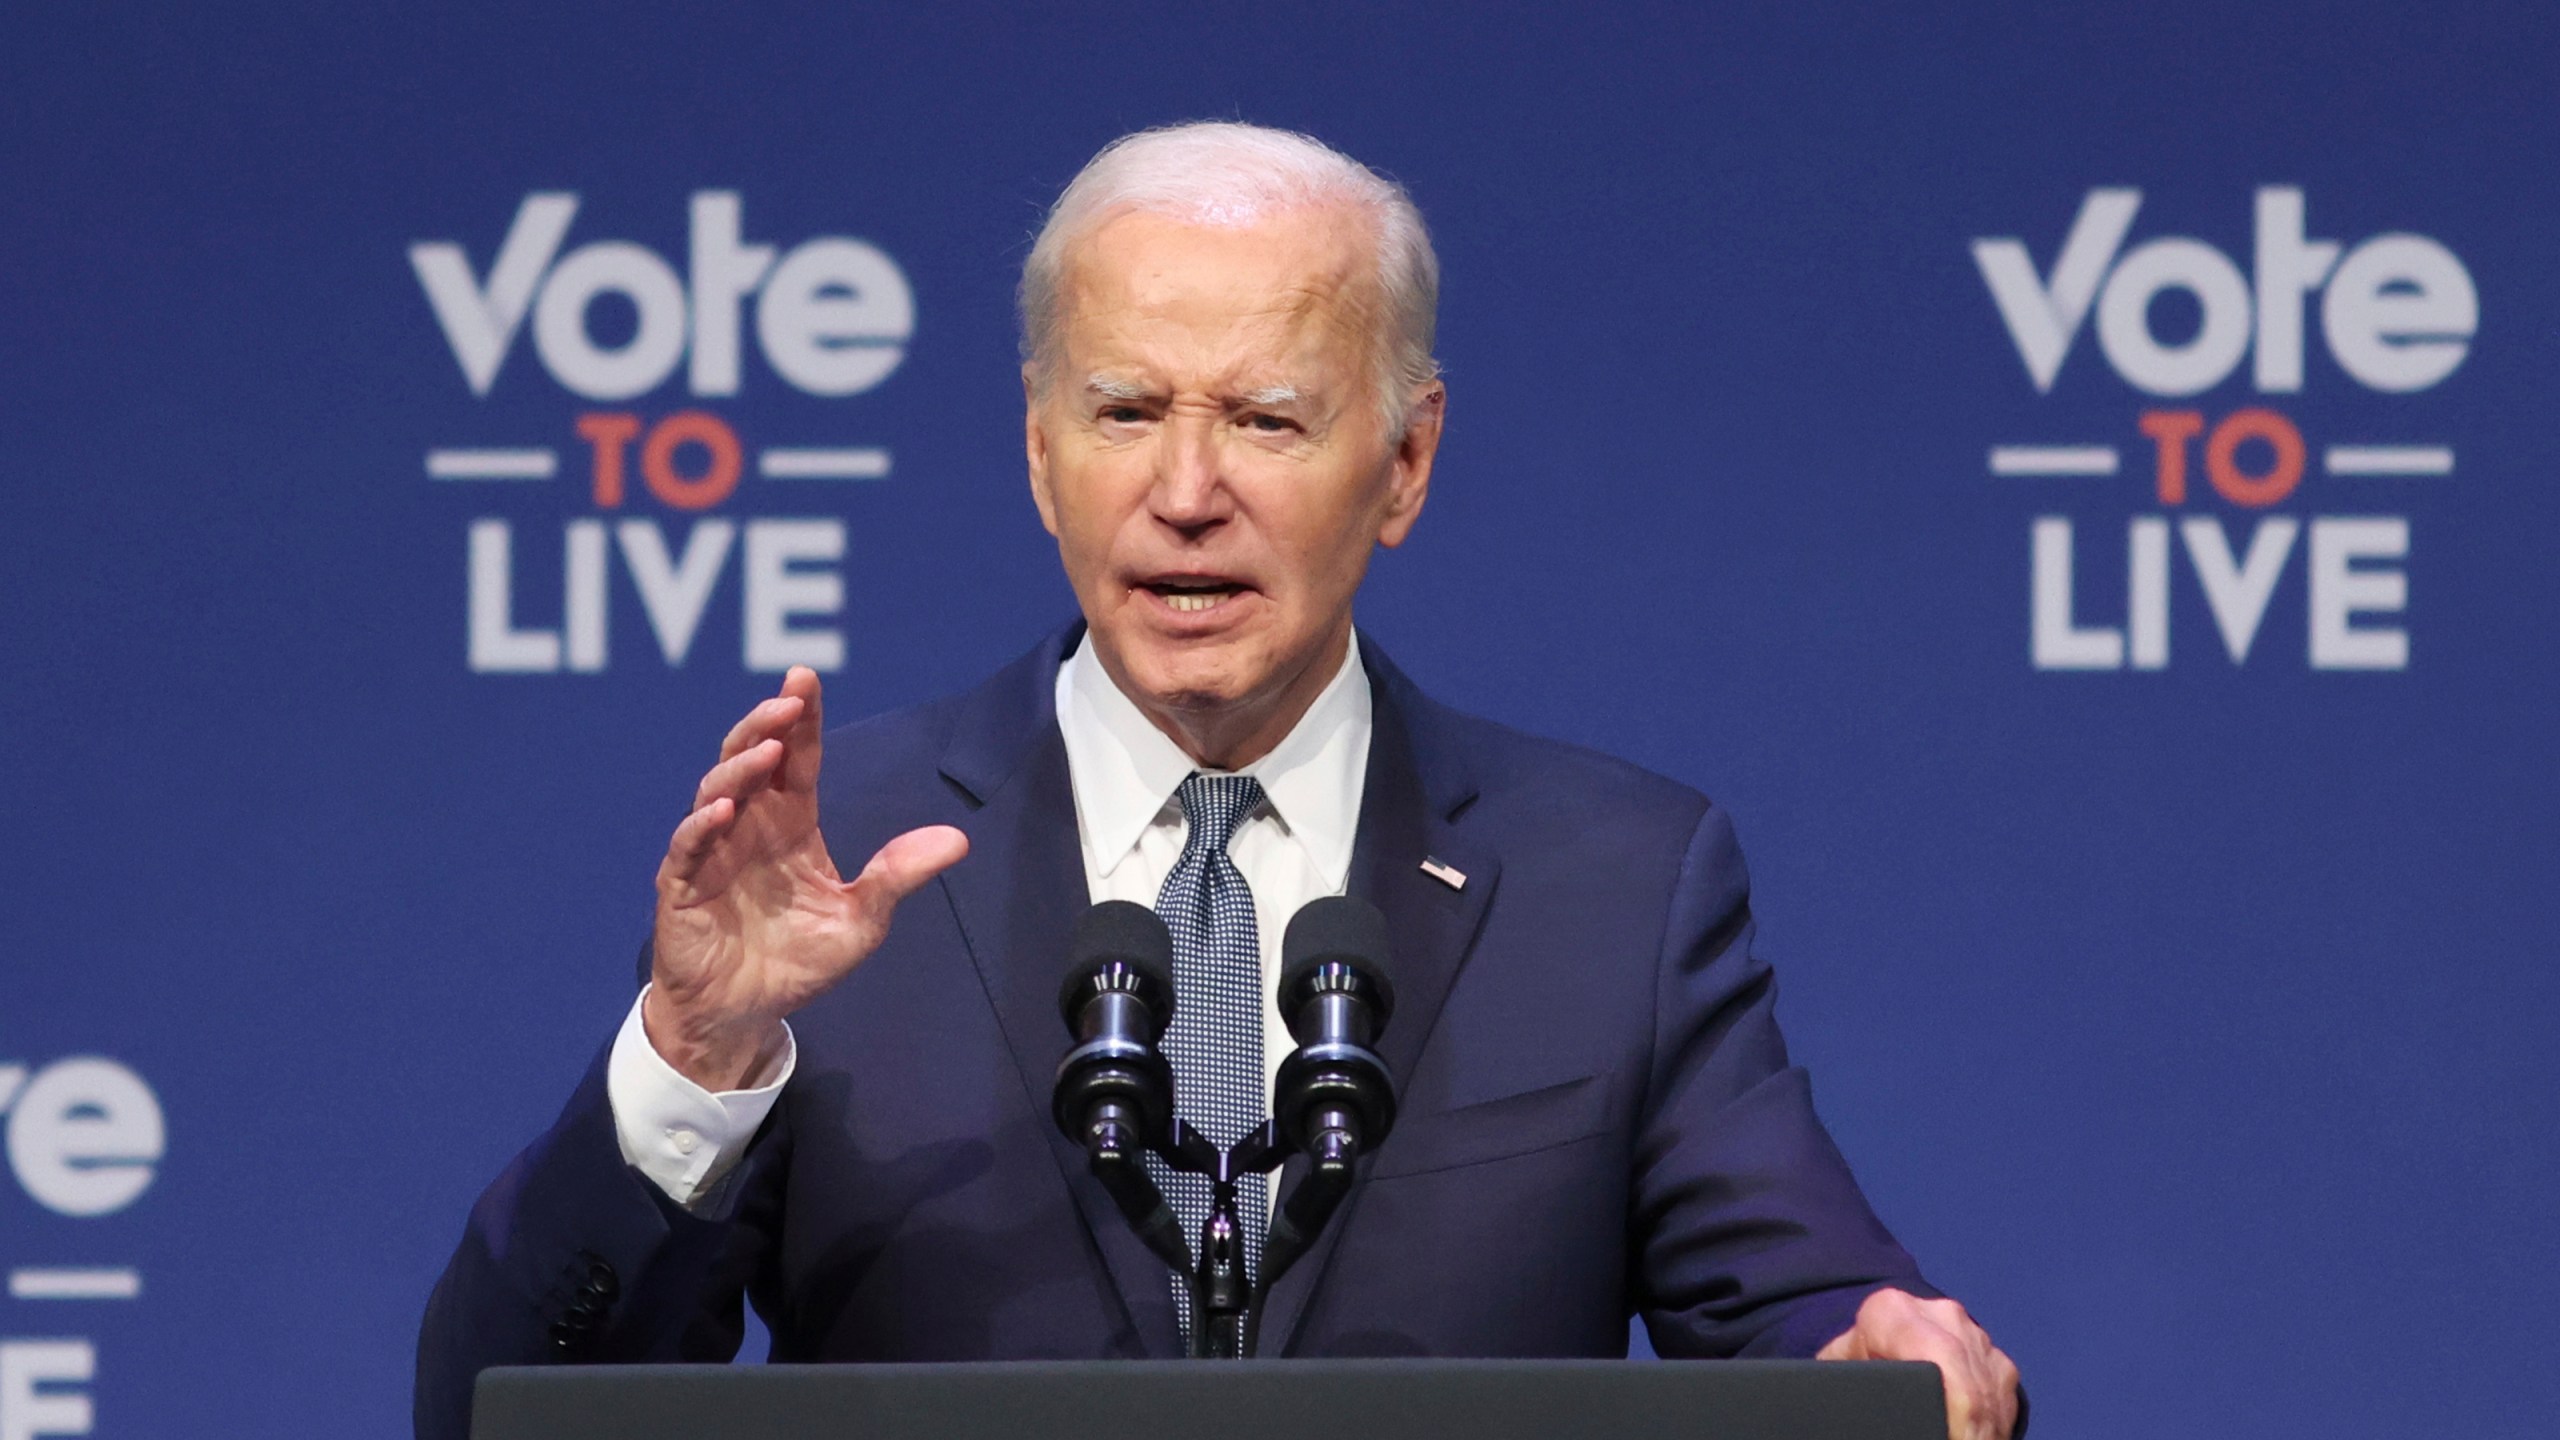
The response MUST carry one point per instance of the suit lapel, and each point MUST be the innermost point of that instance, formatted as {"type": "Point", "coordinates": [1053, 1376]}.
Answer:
{"type": "Point", "coordinates": [1017, 898]}
{"type": "Point", "coordinates": [1417, 787]}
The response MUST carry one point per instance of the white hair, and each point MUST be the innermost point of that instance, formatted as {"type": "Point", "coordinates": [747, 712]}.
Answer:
{"type": "Point", "coordinates": [1224, 173]}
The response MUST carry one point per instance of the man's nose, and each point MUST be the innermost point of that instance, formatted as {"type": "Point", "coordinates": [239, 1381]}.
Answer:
{"type": "Point", "coordinates": [1190, 492]}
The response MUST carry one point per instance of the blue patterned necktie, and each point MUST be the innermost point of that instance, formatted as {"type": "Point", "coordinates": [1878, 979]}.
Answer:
{"type": "Point", "coordinates": [1215, 1040]}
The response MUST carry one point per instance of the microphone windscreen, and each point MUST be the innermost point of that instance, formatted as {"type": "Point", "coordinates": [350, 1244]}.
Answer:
{"type": "Point", "coordinates": [1337, 929]}
{"type": "Point", "coordinates": [1121, 931]}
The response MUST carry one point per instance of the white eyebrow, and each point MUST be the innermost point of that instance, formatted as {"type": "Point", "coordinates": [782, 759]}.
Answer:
{"type": "Point", "coordinates": [1130, 390]}
{"type": "Point", "coordinates": [1111, 389]}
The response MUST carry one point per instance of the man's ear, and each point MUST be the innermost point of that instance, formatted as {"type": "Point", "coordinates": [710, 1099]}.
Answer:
{"type": "Point", "coordinates": [1409, 478]}
{"type": "Point", "coordinates": [1035, 451]}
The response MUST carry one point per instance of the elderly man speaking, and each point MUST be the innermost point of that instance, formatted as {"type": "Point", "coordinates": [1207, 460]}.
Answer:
{"type": "Point", "coordinates": [1230, 400]}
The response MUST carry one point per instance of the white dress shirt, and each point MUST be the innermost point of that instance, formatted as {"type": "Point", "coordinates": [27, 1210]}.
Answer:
{"type": "Point", "coordinates": [1294, 847]}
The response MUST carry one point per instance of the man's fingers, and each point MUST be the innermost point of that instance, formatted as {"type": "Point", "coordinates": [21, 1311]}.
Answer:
{"type": "Point", "coordinates": [739, 775]}
{"type": "Point", "coordinates": [1968, 1399]}
{"type": "Point", "coordinates": [2004, 1392]}
{"type": "Point", "coordinates": [903, 866]}
{"type": "Point", "coordinates": [808, 730]}
{"type": "Point", "coordinates": [692, 841]}
{"type": "Point", "coordinates": [773, 716]}
{"type": "Point", "coordinates": [801, 683]}
{"type": "Point", "coordinates": [1980, 1382]}
{"type": "Point", "coordinates": [1980, 1404]}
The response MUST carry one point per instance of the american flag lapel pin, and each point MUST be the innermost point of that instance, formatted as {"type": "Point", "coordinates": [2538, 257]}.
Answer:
{"type": "Point", "coordinates": [1446, 874]}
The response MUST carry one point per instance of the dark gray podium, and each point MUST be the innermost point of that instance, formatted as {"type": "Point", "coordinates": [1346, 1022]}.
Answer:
{"type": "Point", "coordinates": [1257, 1400]}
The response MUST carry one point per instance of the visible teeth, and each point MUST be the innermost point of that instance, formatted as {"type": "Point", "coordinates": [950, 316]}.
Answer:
{"type": "Point", "coordinates": [1191, 601]}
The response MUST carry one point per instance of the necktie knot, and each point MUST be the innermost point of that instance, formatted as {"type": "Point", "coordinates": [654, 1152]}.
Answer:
{"type": "Point", "coordinates": [1215, 805]}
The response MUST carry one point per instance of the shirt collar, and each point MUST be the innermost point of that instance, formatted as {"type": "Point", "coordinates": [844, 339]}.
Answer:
{"type": "Point", "coordinates": [1125, 771]}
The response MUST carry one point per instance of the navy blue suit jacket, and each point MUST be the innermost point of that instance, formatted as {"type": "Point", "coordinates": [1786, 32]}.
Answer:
{"type": "Point", "coordinates": [1599, 1119]}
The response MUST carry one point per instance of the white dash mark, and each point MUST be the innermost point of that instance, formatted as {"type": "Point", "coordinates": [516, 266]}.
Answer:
{"type": "Point", "coordinates": [2053, 460]}
{"type": "Point", "coordinates": [2388, 459]}
{"type": "Point", "coordinates": [492, 464]}
{"type": "Point", "coordinates": [863, 463]}
{"type": "Point", "coordinates": [35, 1284]}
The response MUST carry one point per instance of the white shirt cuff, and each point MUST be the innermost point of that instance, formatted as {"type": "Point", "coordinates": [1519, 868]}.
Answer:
{"type": "Point", "coordinates": [683, 1137]}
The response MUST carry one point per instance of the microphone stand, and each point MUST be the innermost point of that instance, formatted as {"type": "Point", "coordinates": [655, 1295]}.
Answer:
{"type": "Point", "coordinates": [1341, 1096]}
{"type": "Point", "coordinates": [1226, 1301]}
{"type": "Point", "coordinates": [1114, 1090]}
{"type": "Point", "coordinates": [1222, 1292]}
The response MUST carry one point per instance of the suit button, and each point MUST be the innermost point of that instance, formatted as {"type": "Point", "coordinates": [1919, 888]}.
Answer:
{"type": "Point", "coordinates": [592, 1286]}
{"type": "Point", "coordinates": [571, 1333]}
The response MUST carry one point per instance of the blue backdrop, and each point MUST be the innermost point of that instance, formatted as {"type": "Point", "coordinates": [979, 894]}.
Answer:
{"type": "Point", "coordinates": [1892, 423]}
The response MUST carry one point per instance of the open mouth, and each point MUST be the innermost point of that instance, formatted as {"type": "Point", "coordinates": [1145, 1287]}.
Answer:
{"type": "Point", "coordinates": [1192, 594]}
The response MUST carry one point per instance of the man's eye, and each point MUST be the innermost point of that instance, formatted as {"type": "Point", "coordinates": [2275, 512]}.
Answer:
{"type": "Point", "coordinates": [1269, 424]}
{"type": "Point", "coordinates": [1124, 414]}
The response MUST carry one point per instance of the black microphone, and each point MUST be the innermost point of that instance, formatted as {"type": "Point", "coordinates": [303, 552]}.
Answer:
{"type": "Point", "coordinates": [1115, 1091]}
{"type": "Point", "coordinates": [1334, 1098]}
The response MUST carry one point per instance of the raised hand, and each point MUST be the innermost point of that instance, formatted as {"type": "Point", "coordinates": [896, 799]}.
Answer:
{"type": "Point", "coordinates": [753, 919]}
{"type": "Point", "coordinates": [1981, 1383]}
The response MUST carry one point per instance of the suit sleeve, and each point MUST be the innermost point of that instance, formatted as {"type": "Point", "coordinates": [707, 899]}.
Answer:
{"type": "Point", "coordinates": [572, 1256]}
{"type": "Point", "coordinates": [1751, 1237]}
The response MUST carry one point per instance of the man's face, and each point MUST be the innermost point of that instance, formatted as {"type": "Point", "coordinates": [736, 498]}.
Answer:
{"type": "Point", "coordinates": [1208, 451]}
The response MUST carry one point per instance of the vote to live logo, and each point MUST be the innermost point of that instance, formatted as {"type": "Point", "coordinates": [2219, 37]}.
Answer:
{"type": "Point", "coordinates": [832, 318]}
{"type": "Point", "coordinates": [2397, 315]}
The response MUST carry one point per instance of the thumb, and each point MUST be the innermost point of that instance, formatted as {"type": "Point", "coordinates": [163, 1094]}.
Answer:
{"type": "Point", "coordinates": [904, 865]}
